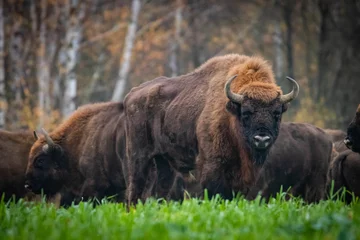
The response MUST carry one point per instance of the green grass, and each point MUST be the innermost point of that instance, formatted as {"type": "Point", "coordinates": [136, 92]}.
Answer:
{"type": "Point", "coordinates": [193, 219]}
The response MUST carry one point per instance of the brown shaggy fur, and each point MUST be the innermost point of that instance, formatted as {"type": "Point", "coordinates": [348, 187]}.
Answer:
{"type": "Point", "coordinates": [92, 143]}
{"type": "Point", "coordinates": [186, 117]}
{"type": "Point", "coordinates": [14, 152]}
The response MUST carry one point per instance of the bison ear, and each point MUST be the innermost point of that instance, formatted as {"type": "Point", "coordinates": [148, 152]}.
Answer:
{"type": "Point", "coordinates": [285, 107]}
{"type": "Point", "coordinates": [233, 107]}
{"type": "Point", "coordinates": [35, 135]}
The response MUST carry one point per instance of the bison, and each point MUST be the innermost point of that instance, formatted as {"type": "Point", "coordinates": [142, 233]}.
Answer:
{"type": "Point", "coordinates": [14, 152]}
{"type": "Point", "coordinates": [345, 167]}
{"type": "Point", "coordinates": [299, 159]}
{"type": "Point", "coordinates": [222, 118]}
{"type": "Point", "coordinates": [81, 159]}
{"type": "Point", "coordinates": [352, 139]}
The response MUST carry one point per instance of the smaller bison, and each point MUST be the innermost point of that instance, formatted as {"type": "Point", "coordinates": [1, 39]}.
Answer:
{"type": "Point", "coordinates": [81, 159]}
{"type": "Point", "coordinates": [299, 159]}
{"type": "Point", "coordinates": [335, 134]}
{"type": "Point", "coordinates": [14, 152]}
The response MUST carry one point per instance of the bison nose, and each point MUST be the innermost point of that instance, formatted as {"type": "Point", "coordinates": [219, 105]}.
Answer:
{"type": "Point", "coordinates": [262, 141]}
{"type": "Point", "coordinates": [348, 143]}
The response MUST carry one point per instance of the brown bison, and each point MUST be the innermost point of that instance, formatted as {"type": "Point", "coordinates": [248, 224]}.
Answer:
{"type": "Point", "coordinates": [14, 152]}
{"type": "Point", "coordinates": [190, 119]}
{"type": "Point", "coordinates": [300, 160]}
{"type": "Point", "coordinates": [352, 140]}
{"type": "Point", "coordinates": [82, 157]}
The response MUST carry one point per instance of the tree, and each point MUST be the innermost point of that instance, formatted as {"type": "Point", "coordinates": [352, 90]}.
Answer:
{"type": "Point", "coordinates": [2, 67]}
{"type": "Point", "coordinates": [120, 86]}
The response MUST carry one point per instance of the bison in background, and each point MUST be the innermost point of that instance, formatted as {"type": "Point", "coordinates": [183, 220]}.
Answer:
{"type": "Point", "coordinates": [299, 159]}
{"type": "Point", "coordinates": [190, 120]}
{"type": "Point", "coordinates": [82, 157]}
{"type": "Point", "coordinates": [345, 167]}
{"type": "Point", "coordinates": [14, 152]}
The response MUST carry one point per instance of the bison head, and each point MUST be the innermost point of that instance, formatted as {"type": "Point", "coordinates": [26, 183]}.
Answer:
{"type": "Point", "coordinates": [259, 120]}
{"type": "Point", "coordinates": [46, 166]}
{"type": "Point", "coordinates": [352, 140]}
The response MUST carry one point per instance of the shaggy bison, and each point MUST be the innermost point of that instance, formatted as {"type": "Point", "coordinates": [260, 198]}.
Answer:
{"type": "Point", "coordinates": [299, 159]}
{"type": "Point", "coordinates": [190, 120]}
{"type": "Point", "coordinates": [14, 152]}
{"type": "Point", "coordinates": [82, 157]}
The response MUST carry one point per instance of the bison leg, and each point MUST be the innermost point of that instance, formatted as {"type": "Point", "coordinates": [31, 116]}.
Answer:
{"type": "Point", "coordinates": [212, 178]}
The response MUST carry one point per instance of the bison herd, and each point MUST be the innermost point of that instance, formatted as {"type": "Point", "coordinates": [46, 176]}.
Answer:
{"type": "Point", "coordinates": [217, 128]}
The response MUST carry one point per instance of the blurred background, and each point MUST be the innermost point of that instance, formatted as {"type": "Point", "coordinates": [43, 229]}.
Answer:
{"type": "Point", "coordinates": [56, 55]}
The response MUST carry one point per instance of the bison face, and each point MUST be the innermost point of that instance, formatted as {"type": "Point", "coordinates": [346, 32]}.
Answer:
{"type": "Point", "coordinates": [259, 119]}
{"type": "Point", "coordinates": [352, 140]}
{"type": "Point", "coordinates": [260, 123]}
{"type": "Point", "coordinates": [46, 170]}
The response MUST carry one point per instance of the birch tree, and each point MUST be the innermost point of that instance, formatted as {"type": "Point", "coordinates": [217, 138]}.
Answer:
{"type": "Point", "coordinates": [43, 68]}
{"type": "Point", "coordinates": [2, 68]}
{"type": "Point", "coordinates": [74, 31]}
{"type": "Point", "coordinates": [120, 86]}
{"type": "Point", "coordinates": [174, 45]}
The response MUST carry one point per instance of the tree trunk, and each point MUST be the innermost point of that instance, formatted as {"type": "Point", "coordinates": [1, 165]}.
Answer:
{"type": "Point", "coordinates": [279, 59]}
{"type": "Point", "coordinates": [73, 39]}
{"type": "Point", "coordinates": [287, 9]}
{"type": "Point", "coordinates": [43, 68]}
{"type": "Point", "coordinates": [120, 86]}
{"type": "Point", "coordinates": [2, 68]}
{"type": "Point", "coordinates": [174, 45]}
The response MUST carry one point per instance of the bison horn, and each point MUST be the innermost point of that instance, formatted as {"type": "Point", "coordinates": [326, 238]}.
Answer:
{"type": "Point", "coordinates": [293, 94]}
{"type": "Point", "coordinates": [234, 97]}
{"type": "Point", "coordinates": [49, 141]}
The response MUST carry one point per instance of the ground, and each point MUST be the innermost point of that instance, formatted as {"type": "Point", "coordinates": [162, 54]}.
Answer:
{"type": "Point", "coordinates": [193, 219]}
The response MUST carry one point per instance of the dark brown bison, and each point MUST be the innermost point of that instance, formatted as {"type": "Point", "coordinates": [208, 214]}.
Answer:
{"type": "Point", "coordinates": [82, 157]}
{"type": "Point", "coordinates": [190, 119]}
{"type": "Point", "coordinates": [14, 152]}
{"type": "Point", "coordinates": [300, 160]}
{"type": "Point", "coordinates": [335, 134]}
{"type": "Point", "coordinates": [352, 140]}
{"type": "Point", "coordinates": [345, 167]}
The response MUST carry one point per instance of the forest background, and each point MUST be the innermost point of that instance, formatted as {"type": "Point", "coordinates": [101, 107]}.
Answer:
{"type": "Point", "coordinates": [56, 55]}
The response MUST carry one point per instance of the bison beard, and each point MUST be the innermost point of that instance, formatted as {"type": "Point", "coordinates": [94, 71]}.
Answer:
{"type": "Point", "coordinates": [189, 120]}
{"type": "Point", "coordinates": [82, 158]}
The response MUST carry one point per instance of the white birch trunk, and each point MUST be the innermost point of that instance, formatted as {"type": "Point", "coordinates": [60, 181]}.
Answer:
{"type": "Point", "coordinates": [72, 44]}
{"type": "Point", "coordinates": [279, 58]}
{"type": "Point", "coordinates": [120, 86]}
{"type": "Point", "coordinates": [43, 68]}
{"type": "Point", "coordinates": [174, 47]}
{"type": "Point", "coordinates": [3, 104]}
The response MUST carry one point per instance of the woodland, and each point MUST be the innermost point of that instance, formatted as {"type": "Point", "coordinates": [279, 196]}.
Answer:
{"type": "Point", "coordinates": [56, 55]}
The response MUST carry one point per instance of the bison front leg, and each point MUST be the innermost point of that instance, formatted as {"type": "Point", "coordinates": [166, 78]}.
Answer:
{"type": "Point", "coordinates": [212, 178]}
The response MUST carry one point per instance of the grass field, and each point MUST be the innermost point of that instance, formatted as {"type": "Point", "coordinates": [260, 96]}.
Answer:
{"type": "Point", "coordinates": [193, 219]}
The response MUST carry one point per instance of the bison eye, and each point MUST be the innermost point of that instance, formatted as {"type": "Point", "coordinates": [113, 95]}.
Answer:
{"type": "Point", "coordinates": [39, 163]}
